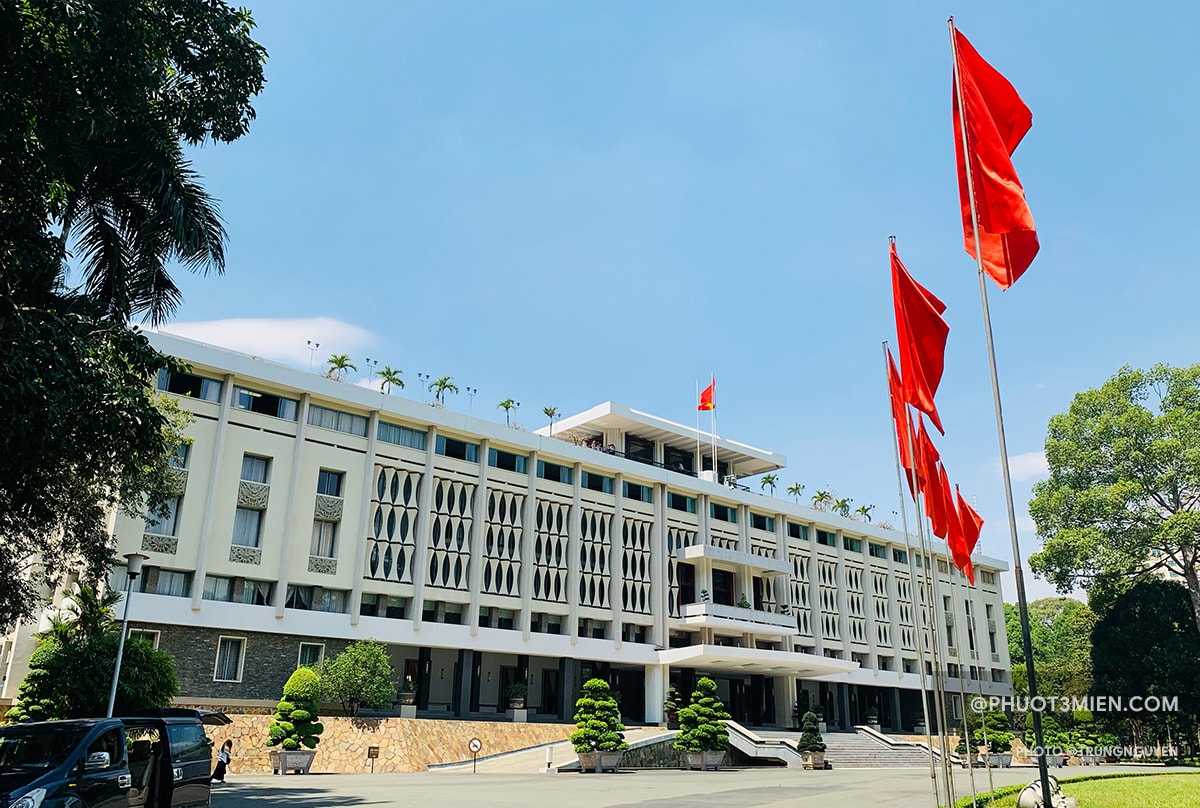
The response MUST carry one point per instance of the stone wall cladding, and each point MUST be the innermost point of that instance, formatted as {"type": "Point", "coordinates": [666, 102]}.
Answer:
{"type": "Point", "coordinates": [269, 659]}
{"type": "Point", "coordinates": [405, 744]}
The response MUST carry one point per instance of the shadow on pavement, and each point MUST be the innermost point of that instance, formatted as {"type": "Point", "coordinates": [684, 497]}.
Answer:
{"type": "Point", "coordinates": [262, 795]}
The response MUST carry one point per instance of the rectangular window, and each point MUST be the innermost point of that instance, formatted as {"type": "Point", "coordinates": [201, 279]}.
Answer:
{"type": "Point", "coordinates": [639, 493]}
{"type": "Point", "coordinates": [899, 556]}
{"type": "Point", "coordinates": [554, 472]}
{"type": "Point", "coordinates": [877, 551]}
{"type": "Point", "coordinates": [679, 460]}
{"type": "Point", "coordinates": [369, 605]}
{"type": "Point", "coordinates": [311, 653]}
{"type": "Point", "coordinates": [229, 659]}
{"type": "Point", "coordinates": [324, 539]}
{"type": "Point", "coordinates": [256, 469]}
{"type": "Point", "coordinates": [826, 538]}
{"type": "Point", "coordinates": [164, 525]}
{"type": "Point", "coordinates": [639, 449]}
{"type": "Point", "coordinates": [299, 597]}
{"type": "Point", "coordinates": [722, 587]}
{"type": "Point", "coordinates": [458, 449]}
{"type": "Point", "coordinates": [596, 482]}
{"type": "Point", "coordinates": [987, 577]}
{"type": "Point", "coordinates": [679, 502]}
{"type": "Point", "coordinates": [187, 384]}
{"type": "Point", "coordinates": [500, 459]}
{"type": "Point", "coordinates": [332, 600]}
{"type": "Point", "coordinates": [329, 482]}
{"type": "Point", "coordinates": [218, 587]}
{"type": "Point", "coordinates": [942, 566]}
{"type": "Point", "coordinates": [337, 420]}
{"type": "Point", "coordinates": [852, 544]}
{"type": "Point", "coordinates": [796, 531]}
{"type": "Point", "coordinates": [257, 593]}
{"type": "Point", "coordinates": [760, 521]}
{"type": "Point", "coordinates": [145, 635]}
{"type": "Point", "coordinates": [247, 527]}
{"type": "Point", "coordinates": [401, 436]}
{"type": "Point", "coordinates": [265, 403]}
{"type": "Point", "coordinates": [723, 513]}
{"type": "Point", "coordinates": [395, 608]}
{"type": "Point", "coordinates": [179, 460]}
{"type": "Point", "coordinates": [175, 583]}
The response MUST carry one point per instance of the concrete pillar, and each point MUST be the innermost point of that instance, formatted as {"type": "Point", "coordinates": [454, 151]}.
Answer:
{"type": "Point", "coordinates": [478, 529]}
{"type": "Point", "coordinates": [897, 719]}
{"type": "Point", "coordinates": [660, 559]}
{"type": "Point", "coordinates": [574, 537]}
{"type": "Point", "coordinates": [214, 477]}
{"type": "Point", "coordinates": [528, 533]}
{"type": "Point", "coordinates": [290, 536]}
{"type": "Point", "coordinates": [616, 535]}
{"type": "Point", "coordinates": [461, 701]}
{"type": "Point", "coordinates": [423, 530]}
{"type": "Point", "coordinates": [364, 514]}
{"type": "Point", "coordinates": [657, 677]}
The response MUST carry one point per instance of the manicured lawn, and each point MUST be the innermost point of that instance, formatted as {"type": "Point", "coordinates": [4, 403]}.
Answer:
{"type": "Point", "coordinates": [1175, 790]}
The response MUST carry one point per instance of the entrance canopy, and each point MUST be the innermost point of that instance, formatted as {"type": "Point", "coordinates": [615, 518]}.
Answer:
{"type": "Point", "coordinates": [753, 661]}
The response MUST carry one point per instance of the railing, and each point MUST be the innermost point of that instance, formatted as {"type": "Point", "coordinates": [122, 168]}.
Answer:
{"type": "Point", "coordinates": [743, 615]}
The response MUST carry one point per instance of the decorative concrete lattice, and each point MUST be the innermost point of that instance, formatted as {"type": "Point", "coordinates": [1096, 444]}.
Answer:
{"type": "Point", "coordinates": [883, 612]}
{"type": "Point", "coordinates": [502, 543]}
{"type": "Point", "coordinates": [245, 555]}
{"type": "Point", "coordinates": [550, 551]}
{"type": "Point", "coordinates": [253, 495]}
{"type": "Point", "coordinates": [831, 628]}
{"type": "Point", "coordinates": [322, 565]}
{"type": "Point", "coordinates": [450, 535]}
{"type": "Point", "coordinates": [635, 565]}
{"type": "Point", "coordinates": [594, 569]}
{"type": "Point", "coordinates": [801, 599]}
{"type": "Point", "coordinates": [328, 508]}
{"type": "Point", "coordinates": [677, 539]}
{"type": "Point", "coordinates": [856, 605]}
{"type": "Point", "coordinates": [391, 530]}
{"type": "Point", "coordinates": [904, 614]}
{"type": "Point", "coordinates": [179, 477]}
{"type": "Point", "coordinates": [154, 543]}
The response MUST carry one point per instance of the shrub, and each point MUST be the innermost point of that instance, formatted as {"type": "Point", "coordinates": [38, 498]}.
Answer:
{"type": "Point", "coordinates": [598, 726]}
{"type": "Point", "coordinates": [360, 676]}
{"type": "Point", "coordinates": [702, 723]}
{"type": "Point", "coordinates": [810, 737]}
{"type": "Point", "coordinates": [295, 723]}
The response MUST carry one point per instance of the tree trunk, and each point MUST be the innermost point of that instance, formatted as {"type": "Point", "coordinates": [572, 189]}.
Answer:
{"type": "Point", "coordinates": [1193, 585]}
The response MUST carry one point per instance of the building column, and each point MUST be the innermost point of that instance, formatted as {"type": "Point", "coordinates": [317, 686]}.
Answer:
{"type": "Point", "coordinates": [843, 696]}
{"type": "Point", "coordinates": [465, 669]}
{"type": "Point", "coordinates": [293, 504]}
{"type": "Point", "coordinates": [660, 559]}
{"type": "Point", "coordinates": [897, 719]}
{"type": "Point", "coordinates": [616, 535]}
{"type": "Point", "coordinates": [566, 688]}
{"type": "Point", "coordinates": [785, 700]}
{"type": "Point", "coordinates": [364, 514]}
{"type": "Point", "coordinates": [214, 477]}
{"type": "Point", "coordinates": [814, 592]}
{"type": "Point", "coordinates": [528, 534]}
{"type": "Point", "coordinates": [656, 678]}
{"type": "Point", "coordinates": [423, 530]}
{"type": "Point", "coordinates": [424, 676]}
{"type": "Point", "coordinates": [478, 529]}
{"type": "Point", "coordinates": [573, 540]}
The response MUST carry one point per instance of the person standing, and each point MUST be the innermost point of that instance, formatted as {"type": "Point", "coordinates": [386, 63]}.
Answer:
{"type": "Point", "coordinates": [223, 758]}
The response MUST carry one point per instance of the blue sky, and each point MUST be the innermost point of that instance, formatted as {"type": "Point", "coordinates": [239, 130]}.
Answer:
{"type": "Point", "coordinates": [565, 203]}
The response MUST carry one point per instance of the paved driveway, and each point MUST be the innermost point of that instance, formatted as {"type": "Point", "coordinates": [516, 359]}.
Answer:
{"type": "Point", "coordinates": [746, 788]}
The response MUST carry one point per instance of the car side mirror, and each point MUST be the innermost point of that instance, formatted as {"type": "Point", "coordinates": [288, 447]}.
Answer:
{"type": "Point", "coordinates": [97, 761]}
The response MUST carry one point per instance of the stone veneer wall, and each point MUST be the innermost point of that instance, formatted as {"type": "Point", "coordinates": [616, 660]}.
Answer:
{"type": "Point", "coordinates": [405, 744]}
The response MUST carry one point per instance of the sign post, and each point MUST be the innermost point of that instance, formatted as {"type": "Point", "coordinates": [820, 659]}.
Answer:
{"type": "Point", "coordinates": [372, 755]}
{"type": "Point", "coordinates": [474, 745]}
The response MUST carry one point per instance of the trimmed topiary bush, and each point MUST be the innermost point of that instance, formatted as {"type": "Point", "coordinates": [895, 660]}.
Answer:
{"type": "Point", "coordinates": [598, 720]}
{"type": "Point", "coordinates": [810, 736]}
{"type": "Point", "coordinates": [702, 723]}
{"type": "Point", "coordinates": [296, 723]}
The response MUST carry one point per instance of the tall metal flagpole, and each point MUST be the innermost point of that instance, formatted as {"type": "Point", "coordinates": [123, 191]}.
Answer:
{"type": "Point", "coordinates": [713, 422]}
{"type": "Point", "coordinates": [912, 577]}
{"type": "Point", "coordinates": [1018, 571]}
{"type": "Point", "coordinates": [699, 463]}
{"type": "Point", "coordinates": [962, 695]}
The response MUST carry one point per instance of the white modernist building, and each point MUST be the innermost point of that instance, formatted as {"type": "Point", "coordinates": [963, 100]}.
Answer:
{"type": "Point", "coordinates": [314, 512]}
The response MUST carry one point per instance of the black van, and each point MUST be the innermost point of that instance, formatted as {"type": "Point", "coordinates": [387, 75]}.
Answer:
{"type": "Point", "coordinates": [159, 761]}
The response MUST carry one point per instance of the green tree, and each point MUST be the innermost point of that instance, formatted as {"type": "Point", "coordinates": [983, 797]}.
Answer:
{"type": "Point", "coordinates": [552, 414]}
{"type": "Point", "coordinates": [338, 364]}
{"type": "Point", "coordinates": [598, 726]}
{"type": "Point", "coordinates": [842, 506]}
{"type": "Point", "coordinates": [865, 511]}
{"type": "Point", "coordinates": [795, 490]}
{"type": "Point", "coordinates": [508, 405]}
{"type": "Point", "coordinates": [810, 736]}
{"type": "Point", "coordinates": [360, 676]}
{"type": "Point", "coordinates": [1123, 495]}
{"type": "Point", "coordinates": [442, 386]}
{"type": "Point", "coordinates": [821, 500]}
{"type": "Point", "coordinates": [702, 722]}
{"type": "Point", "coordinates": [389, 377]}
{"type": "Point", "coordinates": [1061, 630]}
{"type": "Point", "coordinates": [768, 481]}
{"type": "Point", "coordinates": [296, 721]}
{"type": "Point", "coordinates": [71, 670]}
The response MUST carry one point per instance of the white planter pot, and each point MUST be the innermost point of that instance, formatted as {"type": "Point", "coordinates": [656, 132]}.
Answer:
{"type": "Point", "coordinates": [298, 761]}
{"type": "Point", "coordinates": [813, 760]}
{"type": "Point", "coordinates": [1000, 760]}
{"type": "Point", "coordinates": [705, 760]}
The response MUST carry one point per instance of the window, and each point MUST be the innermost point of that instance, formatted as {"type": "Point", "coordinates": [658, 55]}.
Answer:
{"type": "Point", "coordinates": [186, 384]}
{"type": "Point", "coordinates": [238, 590]}
{"type": "Point", "coordinates": [229, 659]}
{"type": "Point", "coordinates": [395, 608]}
{"type": "Point", "coordinates": [299, 597]}
{"type": "Point", "coordinates": [899, 556]}
{"type": "Point", "coordinates": [877, 550]}
{"type": "Point", "coordinates": [942, 566]}
{"type": "Point", "coordinates": [189, 743]}
{"type": "Point", "coordinates": [145, 635]}
{"type": "Point", "coordinates": [164, 525]}
{"type": "Point", "coordinates": [640, 493]}
{"type": "Point", "coordinates": [218, 587]}
{"type": "Point", "coordinates": [452, 613]}
{"type": "Point", "coordinates": [722, 587]}
{"type": "Point", "coordinates": [329, 482]}
{"type": "Point", "coordinates": [175, 583]}
{"type": "Point", "coordinates": [324, 538]}
{"type": "Point", "coordinates": [639, 449]}
{"type": "Point", "coordinates": [337, 420]}
{"type": "Point", "coordinates": [554, 472]}
{"type": "Point", "coordinates": [724, 513]}
{"type": "Point", "coordinates": [886, 663]}
{"type": "Point", "coordinates": [264, 403]}
{"type": "Point", "coordinates": [458, 449]}
{"type": "Point", "coordinates": [332, 600]}
{"type": "Point", "coordinates": [311, 653]}
{"type": "Point", "coordinates": [826, 538]}
{"type": "Point", "coordinates": [852, 544]}
{"type": "Point", "coordinates": [179, 460]}
{"type": "Point", "coordinates": [247, 527]}
{"type": "Point", "coordinates": [369, 605]}
{"type": "Point", "coordinates": [256, 469]}
{"type": "Point", "coordinates": [257, 593]}
{"type": "Point", "coordinates": [987, 577]}
{"type": "Point", "coordinates": [401, 436]}
{"type": "Point", "coordinates": [596, 482]}
{"type": "Point", "coordinates": [796, 531]}
{"type": "Point", "coordinates": [500, 459]}
{"type": "Point", "coordinates": [679, 502]}
{"type": "Point", "coordinates": [760, 521]}
{"type": "Point", "coordinates": [497, 618]}
{"type": "Point", "coordinates": [678, 460]}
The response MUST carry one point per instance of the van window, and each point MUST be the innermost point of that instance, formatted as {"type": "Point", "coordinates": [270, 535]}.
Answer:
{"type": "Point", "coordinates": [188, 742]}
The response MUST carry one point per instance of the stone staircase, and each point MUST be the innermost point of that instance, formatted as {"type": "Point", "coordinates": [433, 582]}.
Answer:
{"type": "Point", "coordinates": [863, 750]}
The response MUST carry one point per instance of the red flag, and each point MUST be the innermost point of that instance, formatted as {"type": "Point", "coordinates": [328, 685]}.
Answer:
{"type": "Point", "coordinates": [996, 120]}
{"type": "Point", "coordinates": [921, 340]}
{"type": "Point", "coordinates": [900, 418]}
{"type": "Point", "coordinates": [972, 524]}
{"type": "Point", "coordinates": [706, 396]}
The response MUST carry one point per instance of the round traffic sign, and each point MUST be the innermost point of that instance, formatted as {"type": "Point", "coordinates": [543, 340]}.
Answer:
{"type": "Point", "coordinates": [475, 744]}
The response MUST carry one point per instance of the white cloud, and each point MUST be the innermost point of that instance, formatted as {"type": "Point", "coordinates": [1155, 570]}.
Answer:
{"type": "Point", "coordinates": [284, 340]}
{"type": "Point", "coordinates": [371, 383]}
{"type": "Point", "coordinates": [1027, 466]}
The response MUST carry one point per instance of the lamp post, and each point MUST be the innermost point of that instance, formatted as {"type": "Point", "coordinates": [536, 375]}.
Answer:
{"type": "Point", "coordinates": [312, 352]}
{"type": "Point", "coordinates": [471, 391]}
{"type": "Point", "coordinates": [135, 561]}
{"type": "Point", "coordinates": [424, 377]}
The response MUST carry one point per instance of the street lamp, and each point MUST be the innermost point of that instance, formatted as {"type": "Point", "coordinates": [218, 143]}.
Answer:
{"type": "Point", "coordinates": [471, 391]}
{"type": "Point", "coordinates": [135, 561]}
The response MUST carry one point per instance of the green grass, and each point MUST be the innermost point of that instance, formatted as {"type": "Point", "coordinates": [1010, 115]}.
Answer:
{"type": "Point", "coordinates": [1117, 791]}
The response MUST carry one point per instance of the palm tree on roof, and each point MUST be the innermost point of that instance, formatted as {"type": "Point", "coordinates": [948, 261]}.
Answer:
{"type": "Point", "coordinates": [442, 386]}
{"type": "Point", "coordinates": [551, 413]}
{"type": "Point", "coordinates": [338, 365]}
{"type": "Point", "coordinates": [508, 405]}
{"type": "Point", "coordinates": [795, 490]}
{"type": "Point", "coordinates": [390, 377]}
{"type": "Point", "coordinates": [768, 481]}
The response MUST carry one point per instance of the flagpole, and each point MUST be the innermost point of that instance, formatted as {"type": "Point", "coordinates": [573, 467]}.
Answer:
{"type": "Point", "coordinates": [1018, 571]}
{"type": "Point", "coordinates": [962, 695]}
{"type": "Point", "coordinates": [912, 577]}
{"type": "Point", "coordinates": [713, 422]}
{"type": "Point", "coordinates": [698, 465]}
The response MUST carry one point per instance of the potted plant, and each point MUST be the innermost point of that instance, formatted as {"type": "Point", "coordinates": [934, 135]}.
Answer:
{"type": "Point", "coordinates": [408, 691]}
{"type": "Point", "coordinates": [516, 695]}
{"type": "Point", "coordinates": [703, 736]}
{"type": "Point", "coordinates": [743, 603]}
{"type": "Point", "coordinates": [810, 745]}
{"type": "Point", "coordinates": [599, 737]}
{"type": "Point", "coordinates": [1000, 749]}
{"type": "Point", "coordinates": [295, 728]}
{"type": "Point", "coordinates": [704, 596]}
{"type": "Point", "coordinates": [671, 708]}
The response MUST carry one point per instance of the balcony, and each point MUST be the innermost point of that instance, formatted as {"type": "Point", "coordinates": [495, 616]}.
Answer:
{"type": "Point", "coordinates": [735, 618]}
{"type": "Point", "coordinates": [714, 553]}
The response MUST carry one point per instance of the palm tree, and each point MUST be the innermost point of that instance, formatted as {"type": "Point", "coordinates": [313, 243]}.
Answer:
{"type": "Point", "coordinates": [338, 365]}
{"type": "Point", "coordinates": [442, 386]}
{"type": "Point", "coordinates": [390, 376]}
{"type": "Point", "coordinates": [768, 481]}
{"type": "Point", "coordinates": [865, 511]}
{"type": "Point", "coordinates": [94, 612]}
{"type": "Point", "coordinates": [842, 506]}
{"type": "Point", "coordinates": [795, 490]}
{"type": "Point", "coordinates": [508, 405]}
{"type": "Point", "coordinates": [551, 413]}
{"type": "Point", "coordinates": [821, 499]}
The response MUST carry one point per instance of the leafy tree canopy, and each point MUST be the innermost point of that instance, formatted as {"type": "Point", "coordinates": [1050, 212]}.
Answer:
{"type": "Point", "coordinates": [1061, 631]}
{"type": "Point", "coordinates": [598, 726]}
{"type": "Point", "coordinates": [702, 722]}
{"type": "Point", "coordinates": [360, 676]}
{"type": "Point", "coordinates": [1123, 496]}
